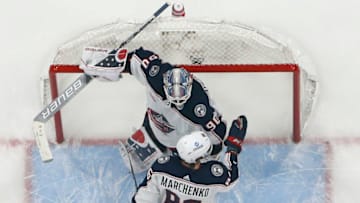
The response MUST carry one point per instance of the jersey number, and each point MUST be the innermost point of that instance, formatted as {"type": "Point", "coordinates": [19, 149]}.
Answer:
{"type": "Point", "coordinates": [211, 125]}
{"type": "Point", "coordinates": [146, 62]}
{"type": "Point", "coordinates": [173, 198]}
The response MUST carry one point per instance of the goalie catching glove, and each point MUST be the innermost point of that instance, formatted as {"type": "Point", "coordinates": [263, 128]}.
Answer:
{"type": "Point", "coordinates": [103, 63]}
{"type": "Point", "coordinates": [237, 134]}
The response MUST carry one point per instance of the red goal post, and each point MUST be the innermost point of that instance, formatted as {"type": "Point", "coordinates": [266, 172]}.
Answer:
{"type": "Point", "coordinates": [201, 47]}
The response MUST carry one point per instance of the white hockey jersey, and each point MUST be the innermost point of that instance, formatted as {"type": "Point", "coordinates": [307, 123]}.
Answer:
{"type": "Point", "coordinates": [170, 181]}
{"type": "Point", "coordinates": [168, 123]}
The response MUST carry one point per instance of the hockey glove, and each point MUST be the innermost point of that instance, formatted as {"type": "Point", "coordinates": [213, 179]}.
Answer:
{"type": "Point", "coordinates": [103, 63]}
{"type": "Point", "coordinates": [237, 134]}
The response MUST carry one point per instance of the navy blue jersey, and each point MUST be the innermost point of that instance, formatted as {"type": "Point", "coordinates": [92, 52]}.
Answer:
{"type": "Point", "coordinates": [166, 121]}
{"type": "Point", "coordinates": [168, 180]}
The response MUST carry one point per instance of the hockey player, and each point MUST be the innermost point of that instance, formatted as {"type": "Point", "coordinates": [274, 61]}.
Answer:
{"type": "Point", "coordinates": [184, 178]}
{"type": "Point", "coordinates": [177, 103]}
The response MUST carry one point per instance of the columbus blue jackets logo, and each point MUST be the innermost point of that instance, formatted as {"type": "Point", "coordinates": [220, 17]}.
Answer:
{"type": "Point", "coordinates": [200, 110]}
{"type": "Point", "coordinates": [160, 122]}
{"type": "Point", "coordinates": [217, 170]}
{"type": "Point", "coordinates": [154, 70]}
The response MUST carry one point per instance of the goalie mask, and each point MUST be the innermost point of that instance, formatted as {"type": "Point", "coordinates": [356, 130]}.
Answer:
{"type": "Point", "coordinates": [177, 86]}
{"type": "Point", "coordinates": [194, 146]}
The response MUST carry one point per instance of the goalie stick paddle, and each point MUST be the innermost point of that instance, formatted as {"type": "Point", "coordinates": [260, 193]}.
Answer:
{"type": "Point", "coordinates": [69, 93]}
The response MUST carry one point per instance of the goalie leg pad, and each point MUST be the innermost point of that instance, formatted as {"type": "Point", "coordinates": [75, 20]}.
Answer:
{"type": "Point", "coordinates": [141, 151]}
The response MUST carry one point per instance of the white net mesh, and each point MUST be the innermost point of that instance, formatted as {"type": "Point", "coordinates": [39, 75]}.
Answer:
{"type": "Point", "coordinates": [188, 41]}
{"type": "Point", "coordinates": [184, 41]}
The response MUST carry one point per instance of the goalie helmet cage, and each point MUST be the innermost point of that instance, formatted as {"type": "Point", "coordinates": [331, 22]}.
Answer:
{"type": "Point", "coordinates": [201, 47]}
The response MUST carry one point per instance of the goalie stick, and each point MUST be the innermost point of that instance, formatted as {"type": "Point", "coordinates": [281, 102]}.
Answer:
{"type": "Point", "coordinates": [69, 93]}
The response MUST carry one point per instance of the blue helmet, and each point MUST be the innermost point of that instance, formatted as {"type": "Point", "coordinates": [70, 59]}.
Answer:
{"type": "Point", "coordinates": [177, 86]}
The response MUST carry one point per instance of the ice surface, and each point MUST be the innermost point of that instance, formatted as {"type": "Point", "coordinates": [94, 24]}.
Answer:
{"type": "Point", "coordinates": [96, 173]}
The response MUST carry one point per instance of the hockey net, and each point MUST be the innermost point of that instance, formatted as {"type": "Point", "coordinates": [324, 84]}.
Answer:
{"type": "Point", "coordinates": [246, 71]}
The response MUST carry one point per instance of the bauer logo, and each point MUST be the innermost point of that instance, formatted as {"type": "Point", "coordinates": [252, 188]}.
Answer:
{"type": "Point", "coordinates": [55, 105]}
